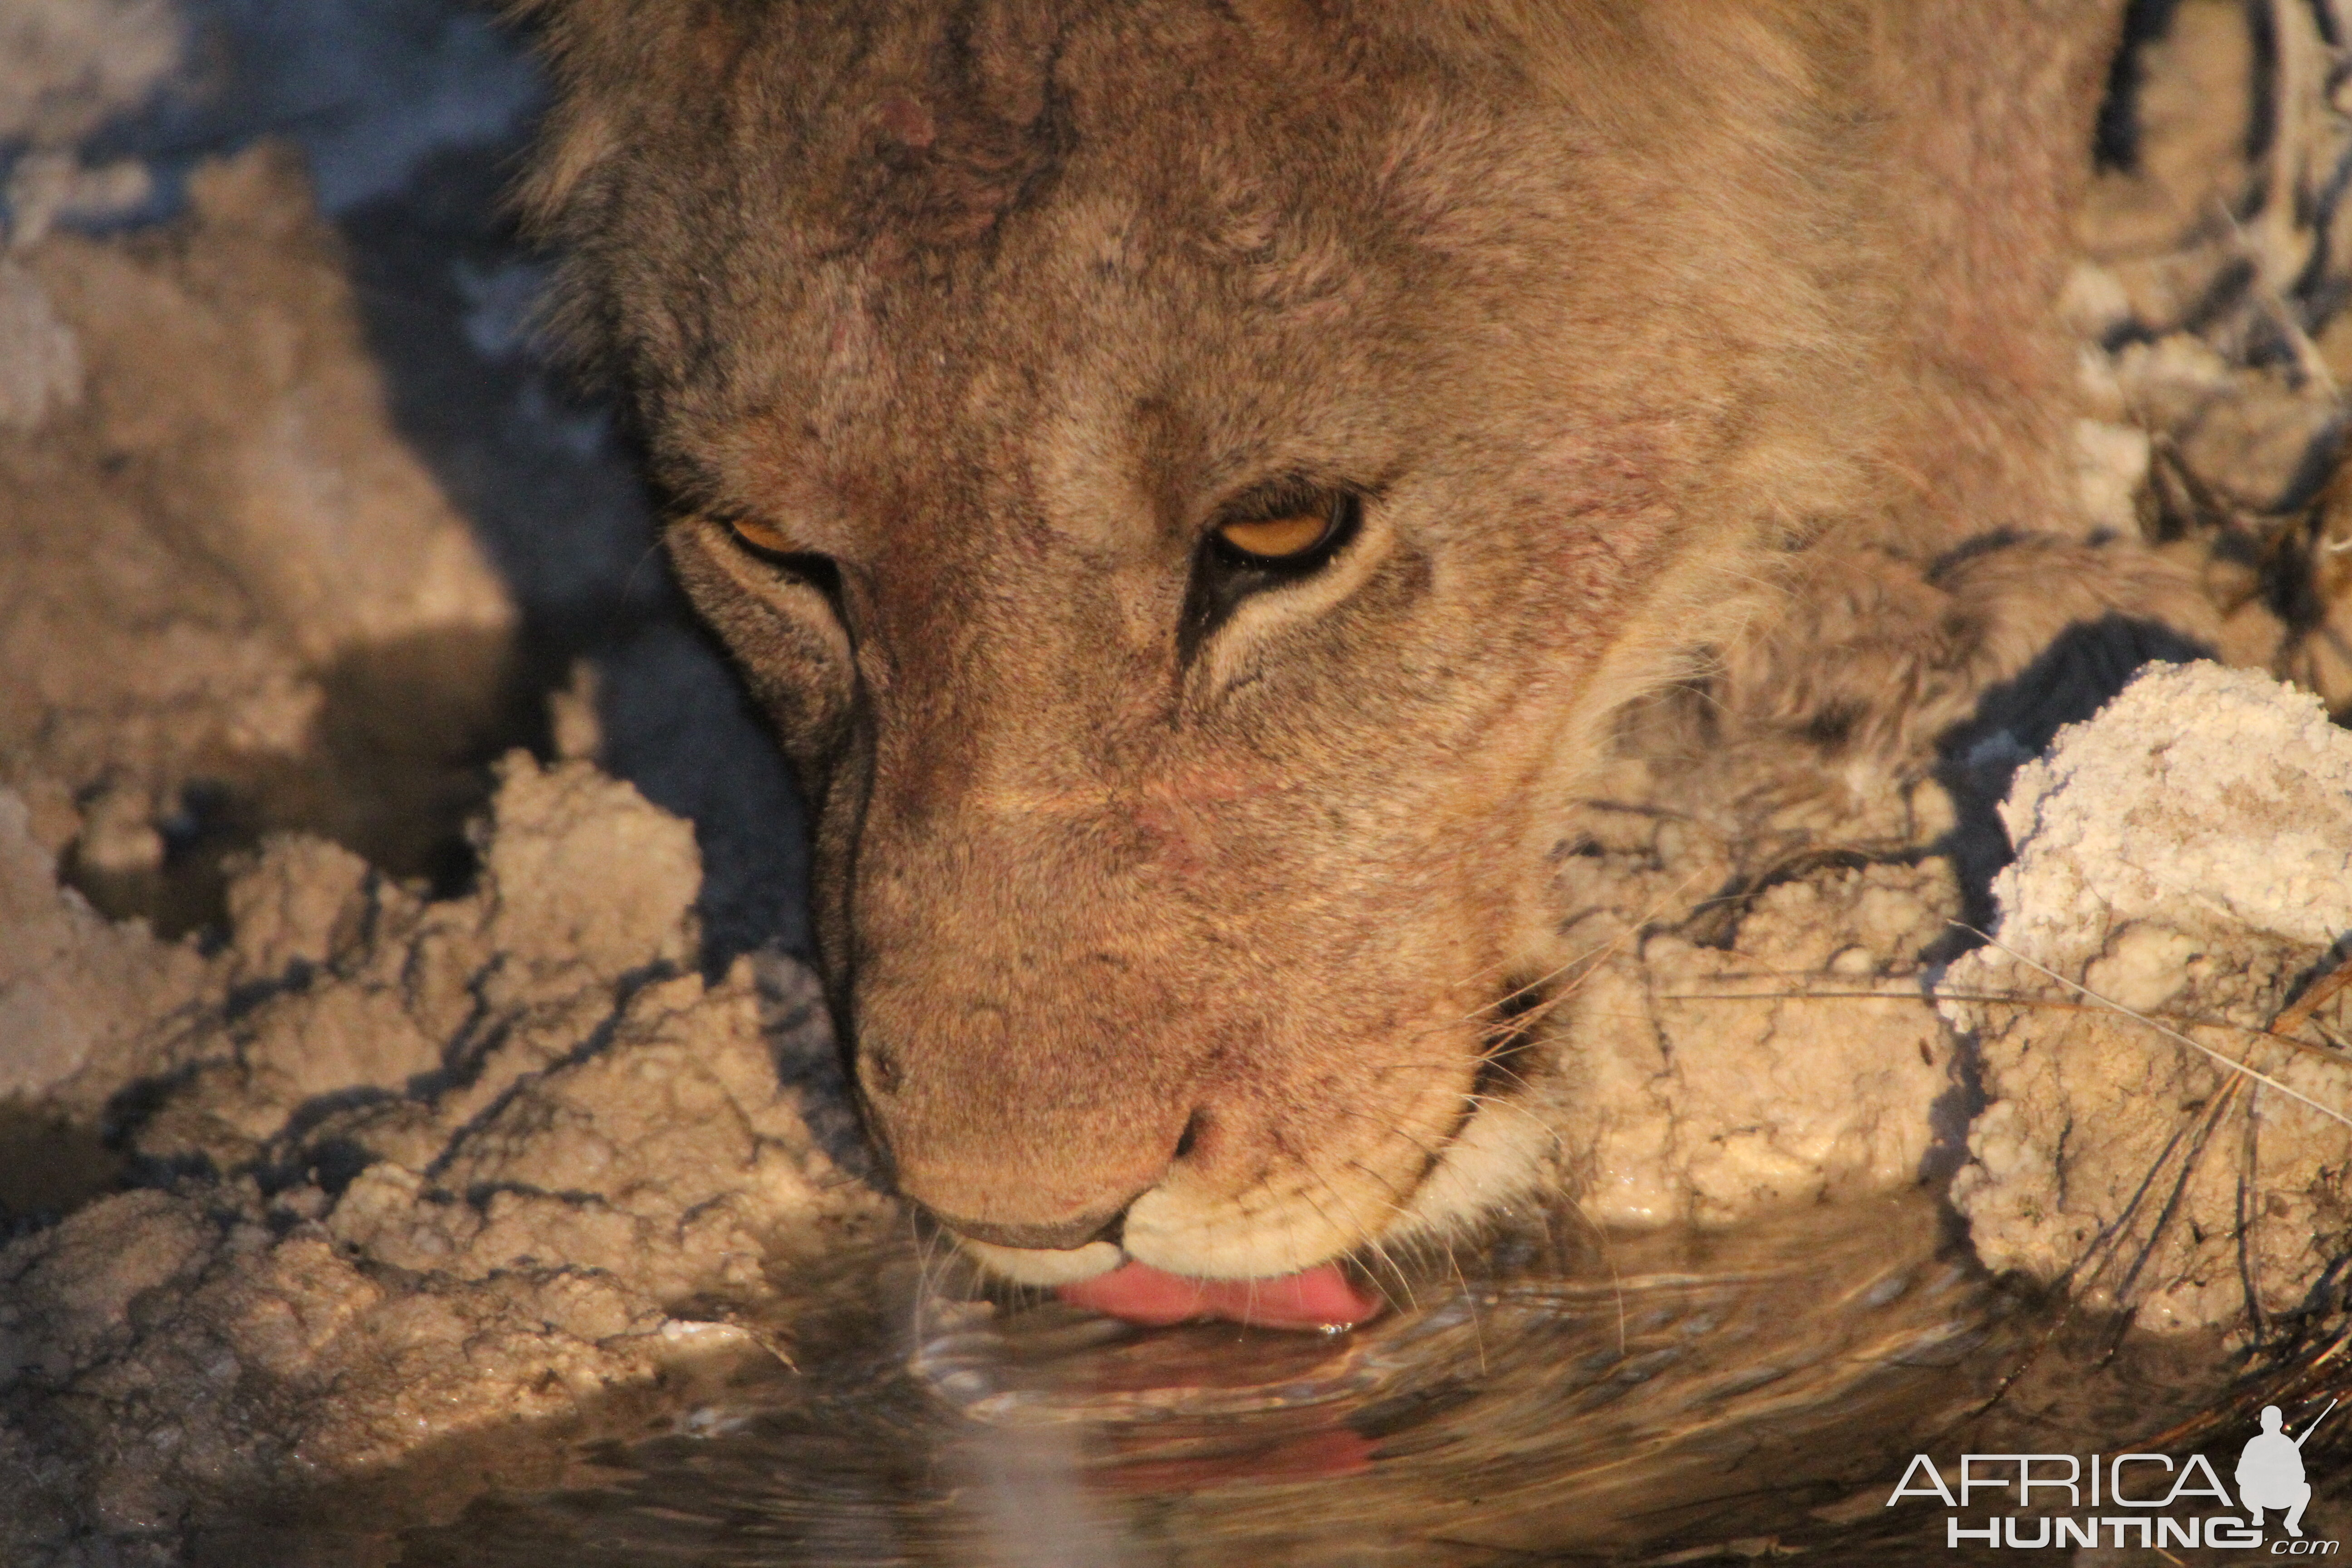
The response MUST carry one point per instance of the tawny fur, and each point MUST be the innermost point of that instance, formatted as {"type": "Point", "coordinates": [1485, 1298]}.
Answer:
{"type": "Point", "coordinates": [1695, 346]}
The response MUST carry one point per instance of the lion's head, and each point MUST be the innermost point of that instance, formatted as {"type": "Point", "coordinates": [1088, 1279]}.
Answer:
{"type": "Point", "coordinates": [1191, 481]}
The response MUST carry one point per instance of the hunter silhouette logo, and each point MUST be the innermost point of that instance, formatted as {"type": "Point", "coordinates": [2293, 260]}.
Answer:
{"type": "Point", "coordinates": [2149, 1495]}
{"type": "Point", "coordinates": [2269, 1471]}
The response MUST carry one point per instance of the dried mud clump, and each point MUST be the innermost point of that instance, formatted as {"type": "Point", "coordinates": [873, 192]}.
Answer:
{"type": "Point", "coordinates": [1720, 1066]}
{"type": "Point", "coordinates": [2186, 858]}
{"type": "Point", "coordinates": [77, 993]}
{"type": "Point", "coordinates": [443, 1167]}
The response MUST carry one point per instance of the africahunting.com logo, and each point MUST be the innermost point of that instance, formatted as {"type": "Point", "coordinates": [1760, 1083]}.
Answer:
{"type": "Point", "coordinates": [2147, 1501]}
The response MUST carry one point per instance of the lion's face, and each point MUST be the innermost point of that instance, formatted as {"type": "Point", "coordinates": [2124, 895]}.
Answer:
{"type": "Point", "coordinates": [1189, 486]}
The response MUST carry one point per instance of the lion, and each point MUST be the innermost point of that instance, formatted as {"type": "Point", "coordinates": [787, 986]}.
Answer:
{"type": "Point", "coordinates": [1199, 485]}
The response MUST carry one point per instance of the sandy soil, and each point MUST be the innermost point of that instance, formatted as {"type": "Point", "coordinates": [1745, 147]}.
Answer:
{"type": "Point", "coordinates": [2185, 859]}
{"type": "Point", "coordinates": [416, 1169]}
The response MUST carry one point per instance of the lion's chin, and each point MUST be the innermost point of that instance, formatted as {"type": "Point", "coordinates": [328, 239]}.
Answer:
{"type": "Point", "coordinates": [1035, 1266]}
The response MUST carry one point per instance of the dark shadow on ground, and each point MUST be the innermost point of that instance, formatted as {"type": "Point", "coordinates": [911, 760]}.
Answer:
{"type": "Point", "coordinates": [545, 473]}
{"type": "Point", "coordinates": [2078, 674]}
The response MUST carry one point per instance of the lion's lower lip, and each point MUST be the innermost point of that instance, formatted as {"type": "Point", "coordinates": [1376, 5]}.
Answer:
{"type": "Point", "coordinates": [1317, 1297]}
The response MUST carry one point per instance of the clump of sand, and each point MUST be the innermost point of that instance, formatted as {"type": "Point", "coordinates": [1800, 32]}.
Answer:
{"type": "Point", "coordinates": [1705, 1076]}
{"type": "Point", "coordinates": [443, 1166]}
{"type": "Point", "coordinates": [76, 990]}
{"type": "Point", "coordinates": [1732, 1043]}
{"type": "Point", "coordinates": [2187, 856]}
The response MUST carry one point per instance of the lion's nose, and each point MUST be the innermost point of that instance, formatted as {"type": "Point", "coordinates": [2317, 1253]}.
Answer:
{"type": "Point", "coordinates": [1102, 1225]}
{"type": "Point", "coordinates": [1009, 1137]}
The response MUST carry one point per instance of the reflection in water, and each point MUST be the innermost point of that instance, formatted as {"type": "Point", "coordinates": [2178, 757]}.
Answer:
{"type": "Point", "coordinates": [1740, 1395]}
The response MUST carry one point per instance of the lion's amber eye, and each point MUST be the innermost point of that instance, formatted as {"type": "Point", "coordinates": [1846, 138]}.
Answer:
{"type": "Point", "coordinates": [1279, 538]}
{"type": "Point", "coordinates": [759, 535]}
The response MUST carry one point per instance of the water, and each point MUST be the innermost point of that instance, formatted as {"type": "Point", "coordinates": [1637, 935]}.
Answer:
{"type": "Point", "coordinates": [1673, 1398]}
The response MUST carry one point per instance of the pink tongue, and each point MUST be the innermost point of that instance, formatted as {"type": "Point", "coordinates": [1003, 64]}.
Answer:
{"type": "Point", "coordinates": [1320, 1297]}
